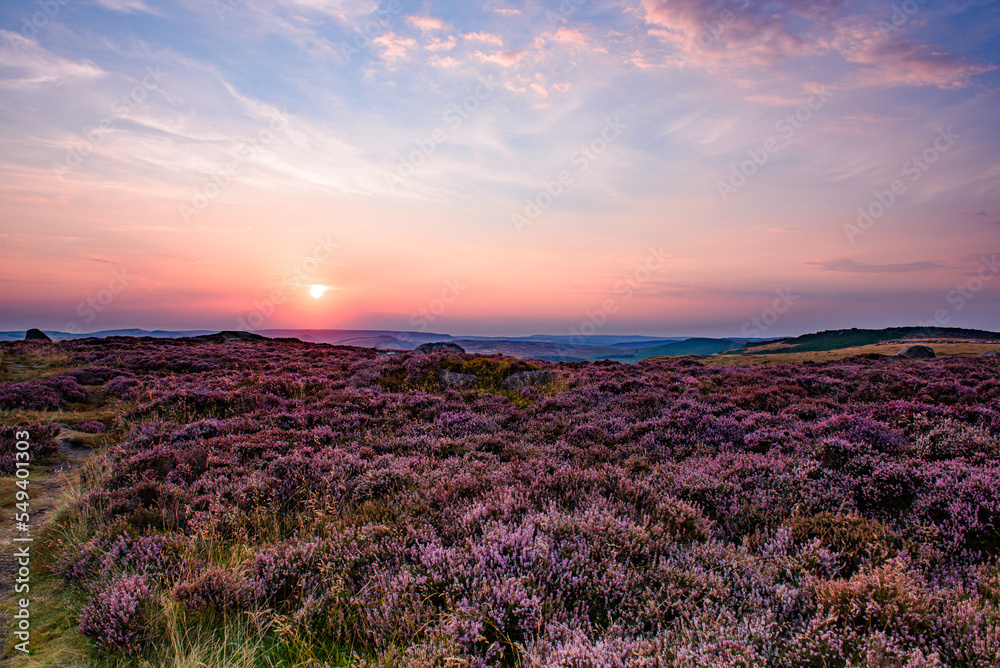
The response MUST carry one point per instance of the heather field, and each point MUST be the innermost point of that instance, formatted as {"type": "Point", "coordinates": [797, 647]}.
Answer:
{"type": "Point", "coordinates": [290, 504]}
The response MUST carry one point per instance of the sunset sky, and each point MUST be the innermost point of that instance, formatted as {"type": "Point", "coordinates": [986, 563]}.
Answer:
{"type": "Point", "coordinates": [650, 166]}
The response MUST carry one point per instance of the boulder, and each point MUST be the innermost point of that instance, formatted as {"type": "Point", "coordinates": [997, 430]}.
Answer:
{"type": "Point", "coordinates": [523, 379]}
{"type": "Point", "coordinates": [451, 380]}
{"type": "Point", "coordinates": [230, 335]}
{"type": "Point", "coordinates": [36, 335]}
{"type": "Point", "coordinates": [990, 353]}
{"type": "Point", "coordinates": [917, 353]}
{"type": "Point", "coordinates": [438, 347]}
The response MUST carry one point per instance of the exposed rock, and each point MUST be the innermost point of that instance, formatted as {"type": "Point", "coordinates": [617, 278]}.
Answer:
{"type": "Point", "coordinates": [990, 353]}
{"type": "Point", "coordinates": [438, 347]}
{"type": "Point", "coordinates": [36, 335]}
{"type": "Point", "coordinates": [525, 379]}
{"type": "Point", "coordinates": [917, 353]}
{"type": "Point", "coordinates": [451, 380]}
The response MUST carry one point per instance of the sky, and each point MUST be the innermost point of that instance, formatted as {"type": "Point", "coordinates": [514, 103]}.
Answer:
{"type": "Point", "coordinates": [658, 167]}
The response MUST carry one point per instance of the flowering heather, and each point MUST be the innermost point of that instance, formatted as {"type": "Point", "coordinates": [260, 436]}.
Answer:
{"type": "Point", "coordinates": [42, 395]}
{"type": "Point", "coordinates": [115, 616]}
{"type": "Point", "coordinates": [91, 427]}
{"type": "Point", "coordinates": [666, 514]}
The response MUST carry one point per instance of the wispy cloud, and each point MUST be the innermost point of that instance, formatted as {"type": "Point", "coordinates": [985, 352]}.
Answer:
{"type": "Point", "coordinates": [852, 266]}
{"type": "Point", "coordinates": [407, 91]}
{"type": "Point", "coordinates": [127, 6]}
{"type": "Point", "coordinates": [27, 64]}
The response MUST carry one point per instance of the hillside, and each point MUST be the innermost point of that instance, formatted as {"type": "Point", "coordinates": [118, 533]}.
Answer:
{"type": "Point", "coordinates": [566, 348]}
{"type": "Point", "coordinates": [852, 338]}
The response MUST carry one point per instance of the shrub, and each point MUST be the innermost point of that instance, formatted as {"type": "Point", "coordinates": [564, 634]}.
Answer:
{"type": "Point", "coordinates": [42, 395]}
{"type": "Point", "coordinates": [116, 618]}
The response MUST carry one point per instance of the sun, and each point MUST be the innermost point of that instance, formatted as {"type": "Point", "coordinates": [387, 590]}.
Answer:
{"type": "Point", "coordinates": [317, 291]}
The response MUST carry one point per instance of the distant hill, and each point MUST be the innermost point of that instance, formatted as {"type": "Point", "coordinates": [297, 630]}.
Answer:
{"type": "Point", "coordinates": [690, 347]}
{"type": "Point", "coordinates": [554, 347]}
{"type": "Point", "coordinates": [364, 338]}
{"type": "Point", "coordinates": [582, 352]}
{"type": "Point", "coordinates": [156, 333]}
{"type": "Point", "coordinates": [837, 339]}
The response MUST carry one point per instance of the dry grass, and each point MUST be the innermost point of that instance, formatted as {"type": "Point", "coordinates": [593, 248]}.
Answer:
{"type": "Point", "coordinates": [751, 359]}
{"type": "Point", "coordinates": [100, 408]}
{"type": "Point", "coordinates": [41, 362]}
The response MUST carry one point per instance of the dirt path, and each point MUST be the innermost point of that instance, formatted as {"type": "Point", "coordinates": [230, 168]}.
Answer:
{"type": "Point", "coordinates": [46, 491]}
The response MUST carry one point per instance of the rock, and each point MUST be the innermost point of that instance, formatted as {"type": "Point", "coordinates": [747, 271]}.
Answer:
{"type": "Point", "coordinates": [36, 335]}
{"type": "Point", "coordinates": [222, 337]}
{"type": "Point", "coordinates": [523, 379]}
{"type": "Point", "coordinates": [917, 353]}
{"type": "Point", "coordinates": [451, 380]}
{"type": "Point", "coordinates": [438, 347]}
{"type": "Point", "coordinates": [990, 353]}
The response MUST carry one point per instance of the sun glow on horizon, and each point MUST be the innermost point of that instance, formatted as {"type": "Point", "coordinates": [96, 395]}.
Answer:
{"type": "Point", "coordinates": [317, 291]}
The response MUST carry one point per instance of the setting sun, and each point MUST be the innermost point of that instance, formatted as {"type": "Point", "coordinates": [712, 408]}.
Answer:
{"type": "Point", "coordinates": [317, 291]}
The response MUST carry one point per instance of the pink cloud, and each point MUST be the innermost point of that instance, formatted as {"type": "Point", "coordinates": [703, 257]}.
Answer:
{"type": "Point", "coordinates": [394, 48]}
{"type": "Point", "coordinates": [906, 63]}
{"type": "Point", "coordinates": [488, 38]}
{"type": "Point", "coordinates": [731, 37]}
{"type": "Point", "coordinates": [708, 34]}
{"type": "Point", "coordinates": [446, 44]}
{"type": "Point", "coordinates": [425, 23]}
{"type": "Point", "coordinates": [570, 36]}
{"type": "Point", "coordinates": [506, 58]}
{"type": "Point", "coordinates": [446, 61]}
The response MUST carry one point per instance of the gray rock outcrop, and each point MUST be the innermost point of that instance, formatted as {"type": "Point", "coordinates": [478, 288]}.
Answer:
{"type": "Point", "coordinates": [451, 380]}
{"type": "Point", "coordinates": [523, 379]}
{"type": "Point", "coordinates": [917, 353]}
{"type": "Point", "coordinates": [36, 335]}
{"type": "Point", "coordinates": [438, 347]}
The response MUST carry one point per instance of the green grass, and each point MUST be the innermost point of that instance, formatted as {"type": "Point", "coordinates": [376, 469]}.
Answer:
{"type": "Point", "coordinates": [490, 371]}
{"type": "Point", "coordinates": [54, 639]}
